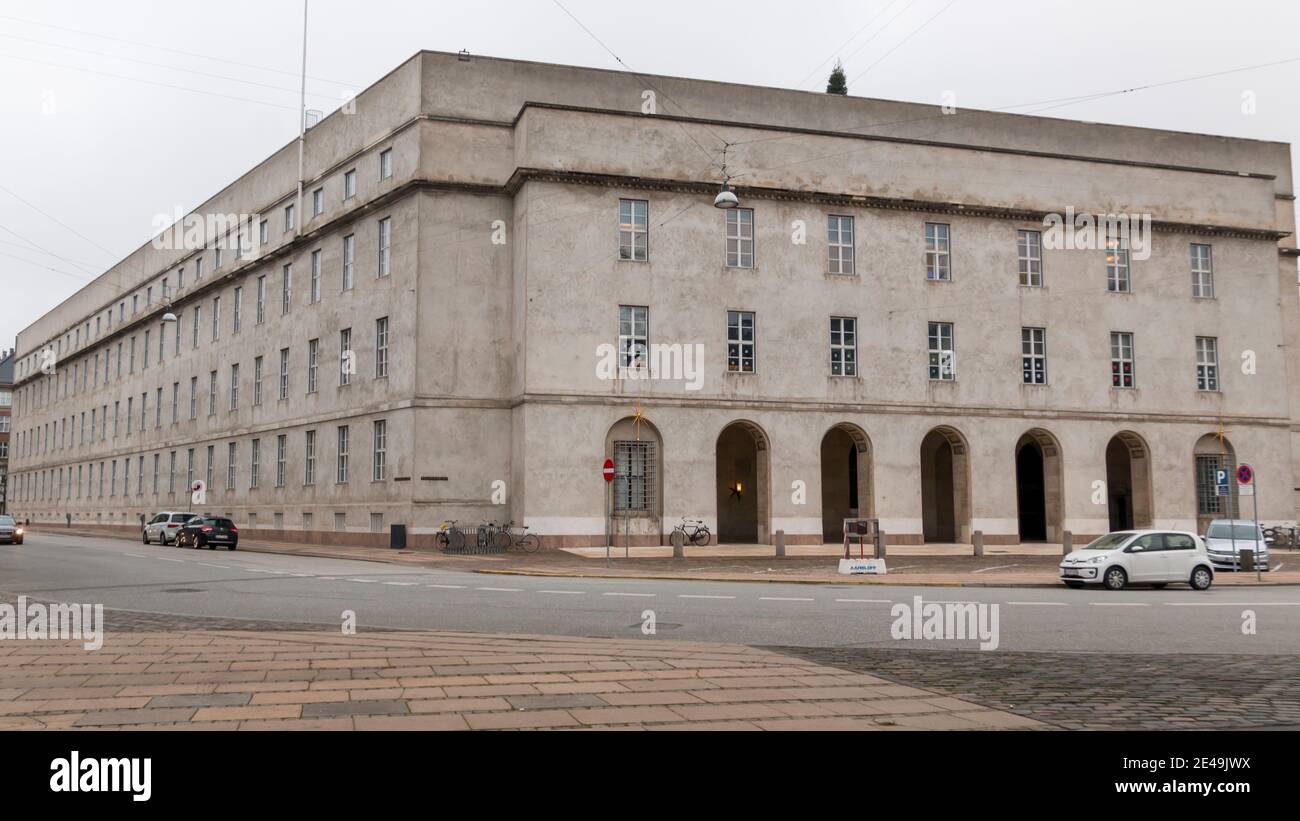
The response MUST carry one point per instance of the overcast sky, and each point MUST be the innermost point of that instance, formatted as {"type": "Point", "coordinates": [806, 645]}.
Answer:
{"type": "Point", "coordinates": [113, 112]}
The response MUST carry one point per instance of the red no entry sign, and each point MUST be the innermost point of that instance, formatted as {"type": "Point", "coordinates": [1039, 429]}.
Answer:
{"type": "Point", "coordinates": [608, 470]}
{"type": "Point", "coordinates": [1245, 474]}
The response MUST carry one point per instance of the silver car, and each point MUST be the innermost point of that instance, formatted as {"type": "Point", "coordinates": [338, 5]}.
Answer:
{"type": "Point", "coordinates": [1226, 538]}
{"type": "Point", "coordinates": [163, 527]}
{"type": "Point", "coordinates": [10, 531]}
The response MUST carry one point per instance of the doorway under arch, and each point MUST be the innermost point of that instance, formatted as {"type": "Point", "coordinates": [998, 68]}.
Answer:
{"type": "Point", "coordinates": [1128, 482]}
{"type": "Point", "coordinates": [1214, 452]}
{"type": "Point", "coordinates": [1039, 487]}
{"type": "Point", "coordinates": [848, 490]}
{"type": "Point", "coordinates": [742, 457]}
{"type": "Point", "coordinates": [945, 486]}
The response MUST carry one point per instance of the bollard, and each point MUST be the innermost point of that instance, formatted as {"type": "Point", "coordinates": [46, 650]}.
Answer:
{"type": "Point", "coordinates": [679, 544]}
{"type": "Point", "coordinates": [880, 544]}
{"type": "Point", "coordinates": [780, 544]}
{"type": "Point", "coordinates": [977, 538]}
{"type": "Point", "coordinates": [1067, 543]}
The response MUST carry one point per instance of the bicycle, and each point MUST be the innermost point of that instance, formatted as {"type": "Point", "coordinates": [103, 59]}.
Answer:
{"type": "Point", "coordinates": [491, 538]}
{"type": "Point", "coordinates": [694, 531]}
{"type": "Point", "coordinates": [525, 541]}
{"type": "Point", "coordinates": [450, 537]}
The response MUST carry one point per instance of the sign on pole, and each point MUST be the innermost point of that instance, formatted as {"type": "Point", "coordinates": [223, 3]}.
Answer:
{"type": "Point", "coordinates": [1245, 474]}
{"type": "Point", "coordinates": [608, 470]}
{"type": "Point", "coordinates": [1221, 482]}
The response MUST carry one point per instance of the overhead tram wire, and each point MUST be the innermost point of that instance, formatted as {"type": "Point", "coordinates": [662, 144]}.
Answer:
{"type": "Point", "coordinates": [852, 37]}
{"type": "Point", "coordinates": [903, 42]}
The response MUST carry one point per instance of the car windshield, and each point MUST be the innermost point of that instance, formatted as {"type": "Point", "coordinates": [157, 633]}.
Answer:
{"type": "Point", "coordinates": [1239, 532]}
{"type": "Point", "coordinates": [1109, 542]}
{"type": "Point", "coordinates": [7, 521]}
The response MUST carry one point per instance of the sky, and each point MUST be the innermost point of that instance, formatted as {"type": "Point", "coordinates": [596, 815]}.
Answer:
{"type": "Point", "coordinates": [113, 113]}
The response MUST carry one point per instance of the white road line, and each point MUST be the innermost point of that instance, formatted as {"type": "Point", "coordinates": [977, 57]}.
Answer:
{"type": "Point", "coordinates": [632, 595]}
{"type": "Point", "coordinates": [500, 589]}
{"type": "Point", "coordinates": [867, 601]}
{"type": "Point", "coordinates": [137, 556]}
{"type": "Point", "coordinates": [178, 561]}
{"type": "Point", "coordinates": [447, 586]}
{"type": "Point", "coordinates": [1233, 604]}
{"type": "Point", "coordinates": [999, 567]}
{"type": "Point", "coordinates": [1040, 603]}
{"type": "Point", "coordinates": [301, 575]}
{"type": "Point", "coordinates": [688, 596]}
{"type": "Point", "coordinates": [401, 584]}
{"type": "Point", "coordinates": [1117, 604]}
{"type": "Point", "coordinates": [783, 598]}
{"type": "Point", "coordinates": [365, 581]}
{"type": "Point", "coordinates": [552, 592]}
{"type": "Point", "coordinates": [1279, 567]}
{"type": "Point", "coordinates": [218, 566]}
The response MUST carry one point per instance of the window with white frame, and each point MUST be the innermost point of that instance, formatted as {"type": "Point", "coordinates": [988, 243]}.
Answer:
{"type": "Point", "coordinates": [740, 238]}
{"type": "Point", "coordinates": [261, 299]}
{"type": "Point", "coordinates": [216, 257]}
{"type": "Point", "coordinates": [280, 447]}
{"type": "Point", "coordinates": [286, 287]}
{"type": "Point", "coordinates": [1202, 271]}
{"type": "Point", "coordinates": [1029, 253]}
{"type": "Point", "coordinates": [309, 459]}
{"type": "Point", "coordinates": [189, 468]}
{"type": "Point", "coordinates": [212, 459]}
{"type": "Point", "coordinates": [234, 387]}
{"type": "Point", "coordinates": [238, 309]}
{"type": "Point", "coordinates": [740, 341]}
{"type": "Point", "coordinates": [844, 346]}
{"type": "Point", "coordinates": [318, 202]}
{"type": "Point", "coordinates": [349, 257]}
{"type": "Point", "coordinates": [313, 295]}
{"type": "Point", "coordinates": [230, 465]}
{"type": "Point", "coordinates": [380, 455]}
{"type": "Point", "coordinates": [634, 230]}
{"type": "Point", "coordinates": [839, 243]}
{"type": "Point", "coordinates": [347, 359]}
{"type": "Point", "coordinates": [290, 218]}
{"type": "Point", "coordinates": [263, 233]}
{"type": "Point", "coordinates": [381, 347]}
{"type": "Point", "coordinates": [341, 464]}
{"type": "Point", "coordinates": [386, 163]}
{"type": "Point", "coordinates": [942, 354]}
{"type": "Point", "coordinates": [349, 184]}
{"type": "Point", "coordinates": [194, 402]}
{"type": "Point", "coordinates": [216, 318]}
{"type": "Point", "coordinates": [313, 363]}
{"type": "Point", "coordinates": [633, 337]}
{"type": "Point", "coordinates": [1118, 278]}
{"type": "Point", "coordinates": [254, 463]}
{"type": "Point", "coordinates": [385, 243]}
{"type": "Point", "coordinates": [284, 373]}
{"type": "Point", "coordinates": [1207, 363]}
{"type": "Point", "coordinates": [938, 251]}
{"type": "Point", "coordinates": [198, 322]}
{"type": "Point", "coordinates": [212, 393]}
{"type": "Point", "coordinates": [1033, 356]}
{"type": "Point", "coordinates": [257, 380]}
{"type": "Point", "coordinates": [1121, 359]}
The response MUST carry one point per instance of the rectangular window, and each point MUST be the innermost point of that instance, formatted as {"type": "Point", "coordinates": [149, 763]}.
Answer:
{"type": "Point", "coordinates": [212, 393]}
{"type": "Point", "coordinates": [198, 322]}
{"type": "Point", "coordinates": [844, 346]}
{"type": "Point", "coordinates": [230, 466]}
{"type": "Point", "coordinates": [349, 184]}
{"type": "Point", "coordinates": [290, 218]}
{"type": "Point", "coordinates": [211, 464]}
{"type": "Point", "coordinates": [1121, 360]}
{"type": "Point", "coordinates": [341, 466]}
{"type": "Point", "coordinates": [171, 472]}
{"type": "Point", "coordinates": [145, 365]}
{"type": "Point", "coordinates": [633, 337]}
{"type": "Point", "coordinates": [216, 318]}
{"type": "Point", "coordinates": [216, 258]}
{"type": "Point", "coordinates": [349, 256]}
{"type": "Point", "coordinates": [385, 245]}
{"type": "Point", "coordinates": [254, 462]}
{"type": "Point", "coordinates": [189, 468]}
{"type": "Point", "coordinates": [318, 202]}
{"type": "Point", "coordinates": [314, 294]}
{"type": "Point", "coordinates": [176, 401]}
{"type": "Point", "coordinates": [238, 308]}
{"type": "Point", "coordinates": [379, 461]}
{"type": "Point", "coordinates": [194, 397]}
{"type": "Point", "coordinates": [381, 347]}
{"type": "Point", "coordinates": [176, 349]}
{"type": "Point", "coordinates": [1208, 500]}
{"type": "Point", "coordinates": [157, 411]}
{"type": "Point", "coordinates": [1207, 363]}
{"type": "Point", "coordinates": [279, 459]}
{"type": "Point", "coordinates": [1029, 251]}
{"type": "Point", "coordinates": [234, 387]}
{"type": "Point", "coordinates": [740, 238]}
{"type": "Point", "coordinates": [634, 230]}
{"type": "Point", "coordinates": [284, 373]}
{"type": "Point", "coordinates": [263, 232]}
{"type": "Point", "coordinates": [1202, 271]}
{"type": "Point", "coordinates": [634, 477]}
{"type": "Point", "coordinates": [1118, 280]}
{"type": "Point", "coordinates": [261, 299]}
{"type": "Point", "coordinates": [1033, 355]}
{"type": "Point", "coordinates": [386, 164]}
{"type": "Point", "coordinates": [347, 359]}
{"type": "Point", "coordinates": [740, 341]}
{"type": "Point", "coordinates": [942, 359]}
{"type": "Point", "coordinates": [257, 380]}
{"type": "Point", "coordinates": [309, 459]}
{"type": "Point", "coordinates": [130, 365]}
{"type": "Point", "coordinates": [313, 361]}
{"type": "Point", "coordinates": [938, 251]}
{"type": "Point", "coordinates": [286, 287]}
{"type": "Point", "coordinates": [839, 242]}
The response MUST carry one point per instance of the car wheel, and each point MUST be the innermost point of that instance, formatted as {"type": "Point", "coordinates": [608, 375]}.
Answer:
{"type": "Point", "coordinates": [144, 536]}
{"type": "Point", "coordinates": [1074, 585]}
{"type": "Point", "coordinates": [1116, 578]}
{"type": "Point", "coordinates": [1202, 578]}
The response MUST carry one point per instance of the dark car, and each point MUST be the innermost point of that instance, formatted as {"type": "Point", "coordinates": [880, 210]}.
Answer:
{"type": "Point", "coordinates": [210, 532]}
{"type": "Point", "coordinates": [10, 530]}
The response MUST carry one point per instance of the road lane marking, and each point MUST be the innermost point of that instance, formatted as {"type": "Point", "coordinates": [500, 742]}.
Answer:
{"type": "Point", "coordinates": [401, 584]}
{"type": "Point", "coordinates": [987, 569]}
{"type": "Point", "coordinates": [632, 595]}
{"type": "Point", "coordinates": [365, 581]}
{"type": "Point", "coordinates": [218, 566]}
{"type": "Point", "coordinates": [1040, 603]}
{"type": "Point", "coordinates": [500, 589]}
{"type": "Point", "coordinates": [552, 592]}
{"type": "Point", "coordinates": [689, 596]}
{"type": "Point", "coordinates": [178, 561]}
{"type": "Point", "coordinates": [783, 598]}
{"type": "Point", "coordinates": [867, 601]}
{"type": "Point", "coordinates": [1117, 604]}
{"type": "Point", "coordinates": [447, 586]}
{"type": "Point", "coordinates": [1232, 604]}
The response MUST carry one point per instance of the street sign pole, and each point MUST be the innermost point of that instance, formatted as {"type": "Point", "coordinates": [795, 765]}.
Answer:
{"type": "Point", "coordinates": [1255, 497]}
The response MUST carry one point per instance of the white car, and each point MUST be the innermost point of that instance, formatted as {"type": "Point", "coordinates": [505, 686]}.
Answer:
{"type": "Point", "coordinates": [1154, 557]}
{"type": "Point", "coordinates": [163, 527]}
{"type": "Point", "coordinates": [1226, 538]}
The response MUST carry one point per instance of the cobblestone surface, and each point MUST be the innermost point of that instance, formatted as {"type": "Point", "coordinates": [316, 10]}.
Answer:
{"type": "Point", "coordinates": [1094, 691]}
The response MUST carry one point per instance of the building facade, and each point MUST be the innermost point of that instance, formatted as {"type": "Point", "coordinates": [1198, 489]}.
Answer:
{"type": "Point", "coordinates": [7, 358]}
{"type": "Point", "coordinates": [500, 273]}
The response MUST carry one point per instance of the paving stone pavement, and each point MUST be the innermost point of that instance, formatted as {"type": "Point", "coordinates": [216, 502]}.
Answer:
{"type": "Point", "coordinates": [1095, 691]}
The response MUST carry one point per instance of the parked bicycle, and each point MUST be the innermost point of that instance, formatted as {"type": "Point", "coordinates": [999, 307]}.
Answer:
{"type": "Point", "coordinates": [491, 538]}
{"type": "Point", "coordinates": [522, 539]}
{"type": "Point", "coordinates": [694, 531]}
{"type": "Point", "coordinates": [450, 537]}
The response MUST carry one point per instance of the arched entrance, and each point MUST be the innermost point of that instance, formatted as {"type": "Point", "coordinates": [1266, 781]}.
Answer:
{"type": "Point", "coordinates": [1214, 452]}
{"type": "Point", "coordinates": [945, 486]}
{"type": "Point", "coordinates": [743, 471]}
{"type": "Point", "coordinates": [1128, 482]}
{"type": "Point", "coordinates": [848, 491]}
{"type": "Point", "coordinates": [1039, 502]}
{"type": "Point", "coordinates": [636, 447]}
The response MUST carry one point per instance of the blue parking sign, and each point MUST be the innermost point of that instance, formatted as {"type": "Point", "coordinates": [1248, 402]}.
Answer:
{"type": "Point", "coordinates": [1221, 482]}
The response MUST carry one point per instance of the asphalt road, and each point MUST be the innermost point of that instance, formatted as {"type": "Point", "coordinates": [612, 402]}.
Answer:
{"type": "Point", "coordinates": [221, 584]}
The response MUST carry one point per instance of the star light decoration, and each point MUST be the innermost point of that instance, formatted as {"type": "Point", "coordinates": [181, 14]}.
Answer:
{"type": "Point", "coordinates": [637, 418]}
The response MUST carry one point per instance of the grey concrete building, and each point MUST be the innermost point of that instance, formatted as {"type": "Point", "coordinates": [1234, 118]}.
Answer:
{"type": "Point", "coordinates": [501, 273]}
{"type": "Point", "coordinates": [7, 359]}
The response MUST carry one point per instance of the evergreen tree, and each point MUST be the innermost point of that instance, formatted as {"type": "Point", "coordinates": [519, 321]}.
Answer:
{"type": "Point", "coordinates": [838, 83]}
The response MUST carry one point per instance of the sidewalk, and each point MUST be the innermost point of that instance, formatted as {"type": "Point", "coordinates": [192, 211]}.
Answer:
{"type": "Point", "coordinates": [1031, 565]}
{"type": "Point", "coordinates": [426, 680]}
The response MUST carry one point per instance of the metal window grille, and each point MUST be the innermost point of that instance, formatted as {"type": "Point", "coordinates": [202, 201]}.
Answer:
{"type": "Point", "coordinates": [634, 476]}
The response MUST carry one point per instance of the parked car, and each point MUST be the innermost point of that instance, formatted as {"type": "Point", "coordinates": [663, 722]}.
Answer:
{"type": "Point", "coordinates": [209, 532]}
{"type": "Point", "coordinates": [1226, 538]}
{"type": "Point", "coordinates": [163, 527]}
{"type": "Point", "coordinates": [1154, 557]}
{"type": "Point", "coordinates": [10, 531]}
